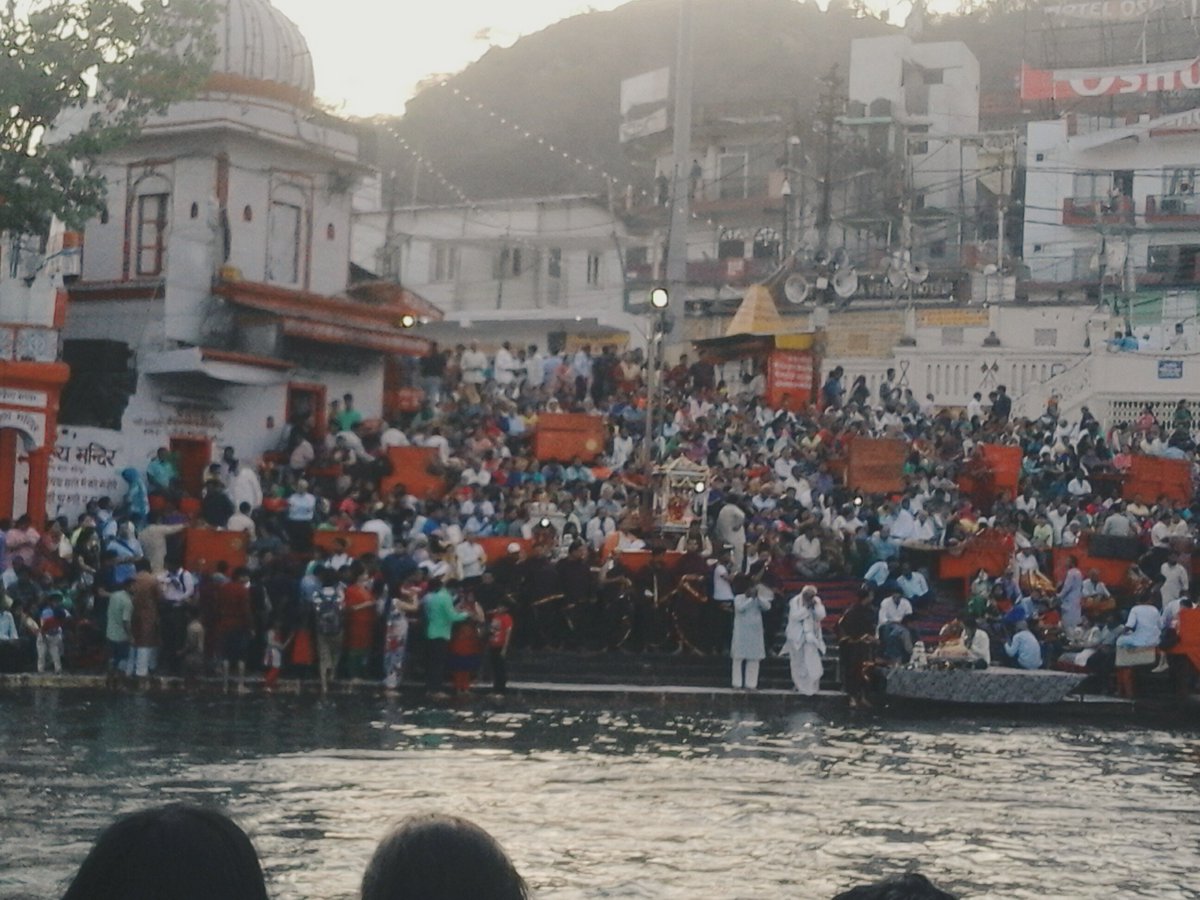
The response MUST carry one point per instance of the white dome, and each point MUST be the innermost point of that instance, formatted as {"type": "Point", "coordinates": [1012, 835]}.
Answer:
{"type": "Point", "coordinates": [260, 50]}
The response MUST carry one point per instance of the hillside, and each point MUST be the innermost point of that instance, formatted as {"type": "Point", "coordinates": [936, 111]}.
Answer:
{"type": "Point", "coordinates": [562, 84]}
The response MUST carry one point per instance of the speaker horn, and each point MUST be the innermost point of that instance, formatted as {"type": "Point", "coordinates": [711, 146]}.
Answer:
{"type": "Point", "coordinates": [845, 283]}
{"type": "Point", "coordinates": [796, 289]}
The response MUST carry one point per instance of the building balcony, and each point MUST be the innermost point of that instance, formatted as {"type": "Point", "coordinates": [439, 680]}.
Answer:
{"type": "Point", "coordinates": [1091, 211]}
{"type": "Point", "coordinates": [1180, 210]}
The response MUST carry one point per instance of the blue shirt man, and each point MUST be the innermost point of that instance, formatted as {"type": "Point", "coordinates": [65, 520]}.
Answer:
{"type": "Point", "coordinates": [1024, 648]}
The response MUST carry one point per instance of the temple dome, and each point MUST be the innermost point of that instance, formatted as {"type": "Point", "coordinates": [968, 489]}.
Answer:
{"type": "Point", "coordinates": [260, 52]}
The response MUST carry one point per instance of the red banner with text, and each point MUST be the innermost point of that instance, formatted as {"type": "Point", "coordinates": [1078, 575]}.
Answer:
{"type": "Point", "coordinates": [789, 379]}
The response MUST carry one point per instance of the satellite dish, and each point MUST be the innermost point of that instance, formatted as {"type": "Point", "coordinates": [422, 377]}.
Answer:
{"type": "Point", "coordinates": [845, 283]}
{"type": "Point", "coordinates": [896, 277]}
{"type": "Point", "coordinates": [918, 273]}
{"type": "Point", "coordinates": [796, 289]}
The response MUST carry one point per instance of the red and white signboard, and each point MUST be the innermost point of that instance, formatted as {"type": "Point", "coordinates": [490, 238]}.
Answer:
{"type": "Point", "coordinates": [1147, 78]}
{"type": "Point", "coordinates": [789, 379]}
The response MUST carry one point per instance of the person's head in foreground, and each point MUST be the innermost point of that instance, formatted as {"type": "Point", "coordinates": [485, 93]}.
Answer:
{"type": "Point", "coordinates": [176, 852]}
{"type": "Point", "coordinates": [436, 857]}
{"type": "Point", "coordinates": [910, 886]}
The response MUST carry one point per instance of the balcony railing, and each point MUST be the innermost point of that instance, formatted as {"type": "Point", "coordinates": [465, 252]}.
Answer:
{"type": "Point", "coordinates": [1098, 211]}
{"type": "Point", "coordinates": [1173, 209]}
{"type": "Point", "coordinates": [736, 271]}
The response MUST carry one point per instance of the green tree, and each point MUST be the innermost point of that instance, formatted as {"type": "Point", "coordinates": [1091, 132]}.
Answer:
{"type": "Point", "coordinates": [78, 78]}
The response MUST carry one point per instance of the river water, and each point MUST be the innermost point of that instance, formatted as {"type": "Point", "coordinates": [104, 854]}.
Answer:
{"type": "Point", "coordinates": [631, 803]}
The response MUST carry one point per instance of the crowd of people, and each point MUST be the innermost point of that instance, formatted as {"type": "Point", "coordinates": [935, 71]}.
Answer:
{"type": "Point", "coordinates": [188, 852]}
{"type": "Point", "coordinates": [773, 521]}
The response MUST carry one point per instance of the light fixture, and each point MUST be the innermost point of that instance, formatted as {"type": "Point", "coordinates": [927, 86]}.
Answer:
{"type": "Point", "coordinates": [660, 298]}
{"type": "Point", "coordinates": [408, 320]}
{"type": "Point", "coordinates": [700, 487]}
{"type": "Point", "coordinates": [544, 522]}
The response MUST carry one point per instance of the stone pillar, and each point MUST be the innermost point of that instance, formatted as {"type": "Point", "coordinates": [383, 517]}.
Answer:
{"type": "Point", "coordinates": [8, 463]}
{"type": "Point", "coordinates": [39, 475]}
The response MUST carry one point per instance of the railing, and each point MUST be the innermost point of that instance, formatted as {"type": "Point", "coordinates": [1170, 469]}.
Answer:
{"type": "Point", "coordinates": [953, 378]}
{"type": "Point", "coordinates": [1126, 412]}
{"type": "Point", "coordinates": [1173, 209]}
{"type": "Point", "coordinates": [1098, 211]}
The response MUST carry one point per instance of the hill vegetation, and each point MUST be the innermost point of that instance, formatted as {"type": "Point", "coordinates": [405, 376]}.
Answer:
{"type": "Point", "coordinates": [562, 85]}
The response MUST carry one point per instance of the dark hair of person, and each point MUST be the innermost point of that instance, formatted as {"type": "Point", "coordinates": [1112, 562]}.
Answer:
{"type": "Point", "coordinates": [175, 852]}
{"type": "Point", "coordinates": [437, 857]}
{"type": "Point", "coordinates": [911, 886]}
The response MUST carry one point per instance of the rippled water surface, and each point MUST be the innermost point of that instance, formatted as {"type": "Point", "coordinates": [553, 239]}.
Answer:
{"type": "Point", "coordinates": [632, 803]}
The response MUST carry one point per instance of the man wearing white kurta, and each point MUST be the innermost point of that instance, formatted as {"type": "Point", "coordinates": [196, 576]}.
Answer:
{"type": "Point", "coordinates": [804, 641]}
{"type": "Point", "coordinates": [1175, 579]}
{"type": "Point", "coordinates": [505, 366]}
{"type": "Point", "coordinates": [748, 646]}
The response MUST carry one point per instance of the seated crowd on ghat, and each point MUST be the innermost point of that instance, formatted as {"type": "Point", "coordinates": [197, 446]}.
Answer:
{"type": "Point", "coordinates": [996, 540]}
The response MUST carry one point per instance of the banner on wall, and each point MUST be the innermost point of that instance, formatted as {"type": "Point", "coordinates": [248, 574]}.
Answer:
{"type": "Point", "coordinates": [1108, 81]}
{"type": "Point", "coordinates": [789, 379]}
{"type": "Point", "coordinates": [1115, 10]}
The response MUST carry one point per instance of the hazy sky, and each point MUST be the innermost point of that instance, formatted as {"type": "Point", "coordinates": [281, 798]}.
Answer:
{"type": "Point", "coordinates": [369, 55]}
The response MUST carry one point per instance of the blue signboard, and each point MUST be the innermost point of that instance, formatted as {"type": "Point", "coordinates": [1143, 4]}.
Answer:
{"type": "Point", "coordinates": [1170, 368]}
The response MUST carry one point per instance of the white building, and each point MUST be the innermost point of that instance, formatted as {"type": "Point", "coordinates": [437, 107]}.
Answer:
{"type": "Point", "coordinates": [214, 303]}
{"type": "Point", "coordinates": [918, 101]}
{"type": "Point", "coordinates": [543, 271]}
{"type": "Point", "coordinates": [1101, 193]}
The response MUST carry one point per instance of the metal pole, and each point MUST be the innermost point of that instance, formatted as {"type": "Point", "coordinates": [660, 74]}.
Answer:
{"type": "Point", "coordinates": [681, 151]}
{"type": "Point", "coordinates": [652, 377]}
{"type": "Point", "coordinates": [680, 215]}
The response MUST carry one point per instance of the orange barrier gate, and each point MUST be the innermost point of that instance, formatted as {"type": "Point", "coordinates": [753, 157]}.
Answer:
{"type": "Point", "coordinates": [417, 469]}
{"type": "Point", "coordinates": [560, 437]}
{"type": "Point", "coordinates": [993, 470]}
{"type": "Point", "coordinates": [1005, 464]}
{"type": "Point", "coordinates": [876, 465]}
{"type": "Point", "coordinates": [1189, 637]}
{"type": "Point", "coordinates": [1150, 477]}
{"type": "Point", "coordinates": [1113, 572]}
{"type": "Point", "coordinates": [991, 551]}
{"type": "Point", "coordinates": [359, 542]}
{"type": "Point", "coordinates": [636, 560]}
{"type": "Point", "coordinates": [203, 548]}
{"type": "Point", "coordinates": [496, 548]}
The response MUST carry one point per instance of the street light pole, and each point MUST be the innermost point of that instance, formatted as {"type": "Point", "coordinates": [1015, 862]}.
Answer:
{"type": "Point", "coordinates": [660, 299]}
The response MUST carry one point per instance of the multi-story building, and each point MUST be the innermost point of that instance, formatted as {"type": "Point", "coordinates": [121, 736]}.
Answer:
{"type": "Point", "coordinates": [544, 270]}
{"type": "Point", "coordinates": [885, 171]}
{"type": "Point", "coordinates": [915, 106]}
{"type": "Point", "coordinates": [1111, 208]}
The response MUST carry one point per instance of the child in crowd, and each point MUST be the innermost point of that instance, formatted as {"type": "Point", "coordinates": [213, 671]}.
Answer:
{"type": "Point", "coordinates": [278, 640]}
{"type": "Point", "coordinates": [500, 626]}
